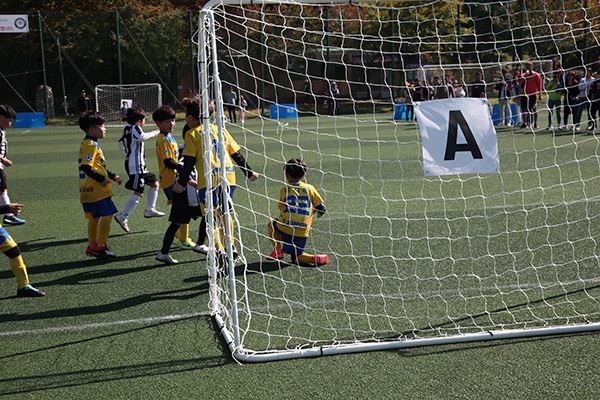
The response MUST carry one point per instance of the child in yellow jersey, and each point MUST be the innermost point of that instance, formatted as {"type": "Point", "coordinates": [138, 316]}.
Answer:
{"type": "Point", "coordinates": [7, 245]}
{"type": "Point", "coordinates": [167, 155]}
{"type": "Point", "coordinates": [193, 155]}
{"type": "Point", "coordinates": [298, 202]}
{"type": "Point", "coordinates": [95, 189]}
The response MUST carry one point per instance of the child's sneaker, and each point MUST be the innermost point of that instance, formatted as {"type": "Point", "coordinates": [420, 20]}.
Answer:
{"type": "Point", "coordinates": [91, 250]}
{"type": "Point", "coordinates": [153, 213]}
{"type": "Point", "coordinates": [187, 244]}
{"type": "Point", "coordinates": [276, 254]}
{"type": "Point", "coordinates": [320, 259]}
{"type": "Point", "coordinates": [29, 291]}
{"type": "Point", "coordinates": [104, 252]}
{"type": "Point", "coordinates": [166, 258]}
{"type": "Point", "coordinates": [122, 221]}
{"type": "Point", "coordinates": [12, 220]}
{"type": "Point", "coordinates": [201, 248]}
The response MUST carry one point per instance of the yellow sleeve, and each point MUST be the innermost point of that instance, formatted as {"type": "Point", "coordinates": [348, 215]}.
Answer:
{"type": "Point", "coordinates": [232, 146]}
{"type": "Point", "coordinates": [165, 150]}
{"type": "Point", "coordinates": [190, 147]}
{"type": "Point", "coordinates": [88, 154]}
{"type": "Point", "coordinates": [315, 197]}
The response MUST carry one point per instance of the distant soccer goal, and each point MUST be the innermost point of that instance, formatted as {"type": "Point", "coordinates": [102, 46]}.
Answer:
{"type": "Point", "coordinates": [111, 98]}
{"type": "Point", "coordinates": [414, 260]}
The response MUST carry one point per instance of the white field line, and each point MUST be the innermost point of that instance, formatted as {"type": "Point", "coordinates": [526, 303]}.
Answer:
{"type": "Point", "coordinates": [272, 307]}
{"type": "Point", "coordinates": [99, 325]}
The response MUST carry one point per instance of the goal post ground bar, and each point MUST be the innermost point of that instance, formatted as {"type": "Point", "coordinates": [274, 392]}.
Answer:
{"type": "Point", "coordinates": [244, 356]}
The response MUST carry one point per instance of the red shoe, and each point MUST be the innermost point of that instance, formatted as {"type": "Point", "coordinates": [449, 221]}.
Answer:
{"type": "Point", "coordinates": [320, 259]}
{"type": "Point", "coordinates": [276, 254]}
{"type": "Point", "coordinates": [91, 250]}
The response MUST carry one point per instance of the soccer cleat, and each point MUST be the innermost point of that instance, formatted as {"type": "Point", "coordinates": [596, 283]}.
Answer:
{"type": "Point", "coordinates": [166, 258]}
{"type": "Point", "coordinates": [187, 244]}
{"type": "Point", "coordinates": [153, 213]}
{"type": "Point", "coordinates": [29, 291]}
{"type": "Point", "coordinates": [104, 252]}
{"type": "Point", "coordinates": [12, 220]}
{"type": "Point", "coordinates": [91, 250]}
{"type": "Point", "coordinates": [122, 221]}
{"type": "Point", "coordinates": [277, 254]}
{"type": "Point", "coordinates": [320, 259]}
{"type": "Point", "coordinates": [201, 248]}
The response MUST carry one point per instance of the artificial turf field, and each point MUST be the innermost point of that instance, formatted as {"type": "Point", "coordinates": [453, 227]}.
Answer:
{"type": "Point", "coordinates": [135, 328]}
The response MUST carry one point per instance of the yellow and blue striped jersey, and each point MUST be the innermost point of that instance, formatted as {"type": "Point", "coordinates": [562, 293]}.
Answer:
{"type": "Point", "coordinates": [297, 202]}
{"type": "Point", "coordinates": [90, 190]}
{"type": "Point", "coordinates": [166, 147]}
{"type": "Point", "coordinates": [193, 147]}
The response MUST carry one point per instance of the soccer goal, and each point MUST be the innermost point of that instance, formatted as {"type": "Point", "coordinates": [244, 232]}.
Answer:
{"type": "Point", "coordinates": [111, 98]}
{"type": "Point", "coordinates": [414, 260]}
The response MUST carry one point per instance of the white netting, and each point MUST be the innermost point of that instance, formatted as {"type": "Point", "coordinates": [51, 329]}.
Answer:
{"type": "Point", "coordinates": [410, 256]}
{"type": "Point", "coordinates": [110, 99]}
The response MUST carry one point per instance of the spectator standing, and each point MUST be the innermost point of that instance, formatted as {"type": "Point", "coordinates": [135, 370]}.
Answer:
{"type": "Point", "coordinates": [595, 106]}
{"type": "Point", "coordinates": [83, 103]}
{"type": "Point", "coordinates": [583, 100]}
{"type": "Point", "coordinates": [243, 105]}
{"type": "Point", "coordinates": [555, 89]}
{"type": "Point", "coordinates": [334, 92]}
{"type": "Point", "coordinates": [478, 86]}
{"type": "Point", "coordinates": [230, 100]}
{"type": "Point", "coordinates": [572, 91]}
{"type": "Point", "coordinates": [504, 93]}
{"type": "Point", "coordinates": [459, 90]}
{"type": "Point", "coordinates": [531, 82]}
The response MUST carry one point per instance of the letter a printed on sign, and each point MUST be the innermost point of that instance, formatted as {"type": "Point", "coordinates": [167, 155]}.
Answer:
{"type": "Point", "coordinates": [458, 137]}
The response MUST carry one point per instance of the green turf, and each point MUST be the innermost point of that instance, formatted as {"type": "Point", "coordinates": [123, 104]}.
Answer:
{"type": "Point", "coordinates": [134, 328]}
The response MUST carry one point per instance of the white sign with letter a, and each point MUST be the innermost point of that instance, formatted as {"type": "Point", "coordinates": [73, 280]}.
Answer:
{"type": "Point", "coordinates": [458, 137]}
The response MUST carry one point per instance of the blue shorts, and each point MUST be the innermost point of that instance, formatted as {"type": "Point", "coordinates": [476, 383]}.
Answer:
{"type": "Point", "coordinates": [101, 208]}
{"type": "Point", "coordinates": [217, 198]}
{"type": "Point", "coordinates": [6, 242]}
{"type": "Point", "coordinates": [293, 245]}
{"type": "Point", "coordinates": [169, 192]}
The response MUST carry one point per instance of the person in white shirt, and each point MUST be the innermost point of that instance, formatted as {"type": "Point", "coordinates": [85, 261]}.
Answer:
{"type": "Point", "coordinates": [583, 100]}
{"type": "Point", "coordinates": [132, 144]}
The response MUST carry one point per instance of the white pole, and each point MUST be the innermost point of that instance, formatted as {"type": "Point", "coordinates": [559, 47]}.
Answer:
{"type": "Point", "coordinates": [224, 184]}
{"type": "Point", "coordinates": [204, 117]}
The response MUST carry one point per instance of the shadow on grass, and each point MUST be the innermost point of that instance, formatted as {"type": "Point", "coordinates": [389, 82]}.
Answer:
{"type": "Point", "coordinates": [48, 242]}
{"type": "Point", "coordinates": [37, 383]}
{"type": "Point", "coordinates": [95, 276]}
{"type": "Point", "coordinates": [64, 266]}
{"type": "Point", "coordinates": [180, 294]}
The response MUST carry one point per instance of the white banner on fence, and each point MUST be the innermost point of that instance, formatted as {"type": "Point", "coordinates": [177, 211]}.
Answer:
{"type": "Point", "coordinates": [14, 23]}
{"type": "Point", "coordinates": [458, 137]}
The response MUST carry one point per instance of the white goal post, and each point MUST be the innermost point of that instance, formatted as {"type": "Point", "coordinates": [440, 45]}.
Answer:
{"type": "Point", "coordinates": [414, 260]}
{"type": "Point", "coordinates": [111, 98]}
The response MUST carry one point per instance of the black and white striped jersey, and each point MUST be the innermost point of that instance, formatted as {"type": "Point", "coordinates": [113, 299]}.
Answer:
{"type": "Point", "coordinates": [3, 145]}
{"type": "Point", "coordinates": [132, 144]}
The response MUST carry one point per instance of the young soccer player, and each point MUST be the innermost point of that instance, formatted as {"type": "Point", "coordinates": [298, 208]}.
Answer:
{"type": "Point", "coordinates": [132, 143]}
{"type": "Point", "coordinates": [167, 155]}
{"type": "Point", "coordinates": [7, 115]}
{"type": "Point", "coordinates": [11, 249]}
{"type": "Point", "coordinates": [193, 151]}
{"type": "Point", "coordinates": [185, 203]}
{"type": "Point", "coordinates": [232, 154]}
{"type": "Point", "coordinates": [95, 189]}
{"type": "Point", "coordinates": [298, 202]}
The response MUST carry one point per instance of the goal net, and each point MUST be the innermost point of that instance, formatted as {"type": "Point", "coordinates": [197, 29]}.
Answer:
{"type": "Point", "coordinates": [413, 260]}
{"type": "Point", "coordinates": [110, 99]}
